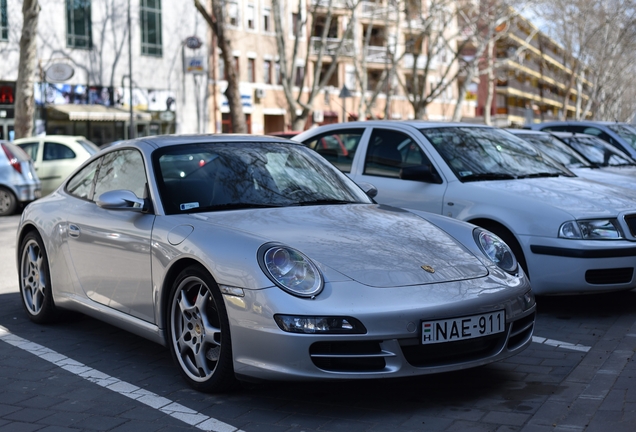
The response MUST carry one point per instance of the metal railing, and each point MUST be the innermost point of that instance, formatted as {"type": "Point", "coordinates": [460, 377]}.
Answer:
{"type": "Point", "coordinates": [331, 46]}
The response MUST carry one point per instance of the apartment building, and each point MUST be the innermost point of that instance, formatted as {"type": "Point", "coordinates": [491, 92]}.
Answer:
{"type": "Point", "coordinates": [531, 78]}
{"type": "Point", "coordinates": [83, 77]}
{"type": "Point", "coordinates": [364, 45]}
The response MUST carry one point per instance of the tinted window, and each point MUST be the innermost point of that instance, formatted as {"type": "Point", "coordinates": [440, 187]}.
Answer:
{"type": "Point", "coordinates": [390, 151]}
{"type": "Point", "coordinates": [338, 148]}
{"type": "Point", "coordinates": [122, 169]}
{"type": "Point", "coordinates": [31, 148]}
{"type": "Point", "coordinates": [81, 184]}
{"type": "Point", "coordinates": [55, 151]}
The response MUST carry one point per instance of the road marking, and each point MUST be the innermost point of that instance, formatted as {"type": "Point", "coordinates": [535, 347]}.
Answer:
{"type": "Point", "coordinates": [153, 400]}
{"type": "Point", "coordinates": [559, 344]}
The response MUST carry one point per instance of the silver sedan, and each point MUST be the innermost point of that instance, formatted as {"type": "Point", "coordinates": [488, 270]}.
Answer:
{"type": "Point", "coordinates": [254, 258]}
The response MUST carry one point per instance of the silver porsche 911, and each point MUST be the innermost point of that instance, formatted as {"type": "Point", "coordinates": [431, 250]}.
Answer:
{"type": "Point", "coordinates": [253, 258]}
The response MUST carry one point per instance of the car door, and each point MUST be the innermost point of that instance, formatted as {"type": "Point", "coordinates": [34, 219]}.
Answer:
{"type": "Point", "coordinates": [57, 162]}
{"type": "Point", "coordinates": [384, 160]}
{"type": "Point", "coordinates": [110, 249]}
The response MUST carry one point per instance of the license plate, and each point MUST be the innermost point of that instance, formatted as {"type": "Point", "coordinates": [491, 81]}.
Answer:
{"type": "Point", "coordinates": [463, 328]}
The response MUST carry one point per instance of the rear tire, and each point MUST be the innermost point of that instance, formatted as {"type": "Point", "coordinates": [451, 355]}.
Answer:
{"type": "Point", "coordinates": [8, 202]}
{"type": "Point", "coordinates": [35, 280]}
{"type": "Point", "coordinates": [199, 332]}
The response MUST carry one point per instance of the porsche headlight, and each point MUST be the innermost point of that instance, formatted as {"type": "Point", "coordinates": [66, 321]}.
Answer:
{"type": "Point", "coordinates": [596, 229]}
{"type": "Point", "coordinates": [496, 250]}
{"type": "Point", "coordinates": [291, 270]}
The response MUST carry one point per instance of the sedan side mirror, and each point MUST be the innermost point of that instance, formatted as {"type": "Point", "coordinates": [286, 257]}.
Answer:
{"type": "Point", "coordinates": [423, 173]}
{"type": "Point", "coordinates": [121, 200]}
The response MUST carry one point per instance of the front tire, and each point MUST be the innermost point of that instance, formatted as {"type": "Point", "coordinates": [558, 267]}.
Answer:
{"type": "Point", "coordinates": [35, 280]}
{"type": "Point", "coordinates": [199, 332]}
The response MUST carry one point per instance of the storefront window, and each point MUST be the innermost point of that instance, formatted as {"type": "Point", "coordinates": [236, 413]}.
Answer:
{"type": "Point", "coordinates": [78, 24]}
{"type": "Point", "coordinates": [4, 21]}
{"type": "Point", "coordinates": [151, 27]}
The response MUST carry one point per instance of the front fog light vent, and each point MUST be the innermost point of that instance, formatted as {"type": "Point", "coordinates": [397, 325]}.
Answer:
{"type": "Point", "coordinates": [319, 325]}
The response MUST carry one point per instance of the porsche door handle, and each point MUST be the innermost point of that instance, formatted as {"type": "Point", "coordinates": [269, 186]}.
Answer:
{"type": "Point", "coordinates": [73, 231]}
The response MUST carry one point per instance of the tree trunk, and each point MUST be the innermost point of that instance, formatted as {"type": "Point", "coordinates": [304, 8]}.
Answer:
{"type": "Point", "coordinates": [24, 100]}
{"type": "Point", "coordinates": [491, 82]}
{"type": "Point", "coordinates": [233, 94]}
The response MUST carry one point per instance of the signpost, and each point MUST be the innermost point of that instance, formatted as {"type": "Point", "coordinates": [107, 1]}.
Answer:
{"type": "Point", "coordinates": [344, 94]}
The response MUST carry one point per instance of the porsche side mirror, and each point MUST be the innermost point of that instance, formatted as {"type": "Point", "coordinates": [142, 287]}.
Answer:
{"type": "Point", "coordinates": [121, 200]}
{"type": "Point", "coordinates": [368, 189]}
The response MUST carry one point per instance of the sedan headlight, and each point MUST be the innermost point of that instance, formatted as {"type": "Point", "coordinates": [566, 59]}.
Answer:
{"type": "Point", "coordinates": [596, 229]}
{"type": "Point", "coordinates": [496, 250]}
{"type": "Point", "coordinates": [290, 270]}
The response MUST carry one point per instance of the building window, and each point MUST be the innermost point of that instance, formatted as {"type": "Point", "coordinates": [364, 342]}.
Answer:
{"type": "Point", "coordinates": [4, 21]}
{"type": "Point", "coordinates": [295, 28]}
{"type": "Point", "coordinates": [151, 27]}
{"type": "Point", "coordinates": [251, 70]}
{"type": "Point", "coordinates": [267, 71]}
{"type": "Point", "coordinates": [78, 24]}
{"type": "Point", "coordinates": [300, 76]}
{"type": "Point", "coordinates": [267, 21]}
{"type": "Point", "coordinates": [233, 13]}
{"type": "Point", "coordinates": [249, 16]}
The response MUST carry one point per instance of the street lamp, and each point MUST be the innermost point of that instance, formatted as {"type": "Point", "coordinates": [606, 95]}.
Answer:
{"type": "Point", "coordinates": [131, 126]}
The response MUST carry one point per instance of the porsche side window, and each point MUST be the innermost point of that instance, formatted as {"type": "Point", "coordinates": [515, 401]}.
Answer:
{"type": "Point", "coordinates": [81, 184]}
{"type": "Point", "coordinates": [338, 148]}
{"type": "Point", "coordinates": [390, 151]}
{"type": "Point", "coordinates": [122, 169]}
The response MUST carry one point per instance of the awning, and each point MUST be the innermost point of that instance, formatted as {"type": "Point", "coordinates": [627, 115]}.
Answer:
{"type": "Point", "coordinates": [97, 113]}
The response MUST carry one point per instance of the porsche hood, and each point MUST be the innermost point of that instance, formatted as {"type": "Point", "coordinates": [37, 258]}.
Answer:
{"type": "Point", "coordinates": [375, 245]}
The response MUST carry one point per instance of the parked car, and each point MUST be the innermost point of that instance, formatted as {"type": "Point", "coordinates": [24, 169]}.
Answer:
{"type": "Point", "coordinates": [620, 135]}
{"type": "Point", "coordinates": [599, 152]}
{"type": "Point", "coordinates": [252, 256]}
{"type": "Point", "coordinates": [570, 234]}
{"type": "Point", "coordinates": [559, 151]}
{"type": "Point", "coordinates": [56, 156]}
{"type": "Point", "coordinates": [19, 184]}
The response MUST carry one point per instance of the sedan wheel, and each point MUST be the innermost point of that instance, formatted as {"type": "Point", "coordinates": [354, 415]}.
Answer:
{"type": "Point", "coordinates": [35, 280]}
{"type": "Point", "coordinates": [8, 202]}
{"type": "Point", "coordinates": [200, 332]}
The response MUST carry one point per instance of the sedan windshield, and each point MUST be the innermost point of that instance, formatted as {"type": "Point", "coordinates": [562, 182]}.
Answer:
{"type": "Point", "coordinates": [557, 150]}
{"type": "Point", "coordinates": [475, 153]}
{"type": "Point", "coordinates": [225, 176]}
{"type": "Point", "coordinates": [598, 151]}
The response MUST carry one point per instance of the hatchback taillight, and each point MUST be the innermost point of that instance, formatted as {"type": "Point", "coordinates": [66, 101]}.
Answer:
{"type": "Point", "coordinates": [15, 163]}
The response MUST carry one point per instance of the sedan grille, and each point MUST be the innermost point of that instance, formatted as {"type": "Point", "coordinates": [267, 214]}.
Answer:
{"type": "Point", "coordinates": [631, 223]}
{"type": "Point", "coordinates": [609, 276]}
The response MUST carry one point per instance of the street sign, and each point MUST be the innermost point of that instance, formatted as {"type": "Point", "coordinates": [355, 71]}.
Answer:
{"type": "Point", "coordinates": [59, 72]}
{"type": "Point", "coordinates": [195, 65]}
{"type": "Point", "coordinates": [193, 42]}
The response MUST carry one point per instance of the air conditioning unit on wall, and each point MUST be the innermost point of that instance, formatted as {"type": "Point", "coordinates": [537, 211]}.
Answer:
{"type": "Point", "coordinates": [259, 93]}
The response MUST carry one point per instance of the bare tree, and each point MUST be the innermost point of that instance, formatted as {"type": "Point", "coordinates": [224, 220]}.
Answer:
{"type": "Point", "coordinates": [24, 101]}
{"type": "Point", "coordinates": [217, 22]}
{"type": "Point", "coordinates": [300, 99]}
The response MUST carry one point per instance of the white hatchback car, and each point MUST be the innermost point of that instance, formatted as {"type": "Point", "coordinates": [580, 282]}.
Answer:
{"type": "Point", "coordinates": [55, 157]}
{"type": "Point", "coordinates": [570, 234]}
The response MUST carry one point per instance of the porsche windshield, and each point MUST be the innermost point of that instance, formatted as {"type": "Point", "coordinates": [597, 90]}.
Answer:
{"type": "Point", "coordinates": [475, 153]}
{"type": "Point", "coordinates": [226, 176]}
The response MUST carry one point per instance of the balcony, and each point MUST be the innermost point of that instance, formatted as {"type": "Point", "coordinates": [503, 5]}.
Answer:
{"type": "Point", "coordinates": [340, 4]}
{"type": "Point", "coordinates": [377, 54]}
{"type": "Point", "coordinates": [378, 10]}
{"type": "Point", "coordinates": [331, 46]}
{"type": "Point", "coordinates": [409, 59]}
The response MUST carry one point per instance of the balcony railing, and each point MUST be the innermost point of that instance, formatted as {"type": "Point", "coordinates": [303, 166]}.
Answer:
{"type": "Point", "coordinates": [334, 3]}
{"type": "Point", "coordinates": [378, 10]}
{"type": "Point", "coordinates": [377, 54]}
{"type": "Point", "coordinates": [409, 59]}
{"type": "Point", "coordinates": [331, 46]}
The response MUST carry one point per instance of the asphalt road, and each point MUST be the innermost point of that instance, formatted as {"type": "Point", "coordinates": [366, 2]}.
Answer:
{"type": "Point", "coordinates": [81, 374]}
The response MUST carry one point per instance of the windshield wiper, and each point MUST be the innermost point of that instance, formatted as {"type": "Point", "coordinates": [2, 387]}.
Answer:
{"type": "Point", "coordinates": [325, 202]}
{"type": "Point", "coordinates": [235, 206]}
{"type": "Point", "coordinates": [487, 176]}
{"type": "Point", "coordinates": [539, 174]}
